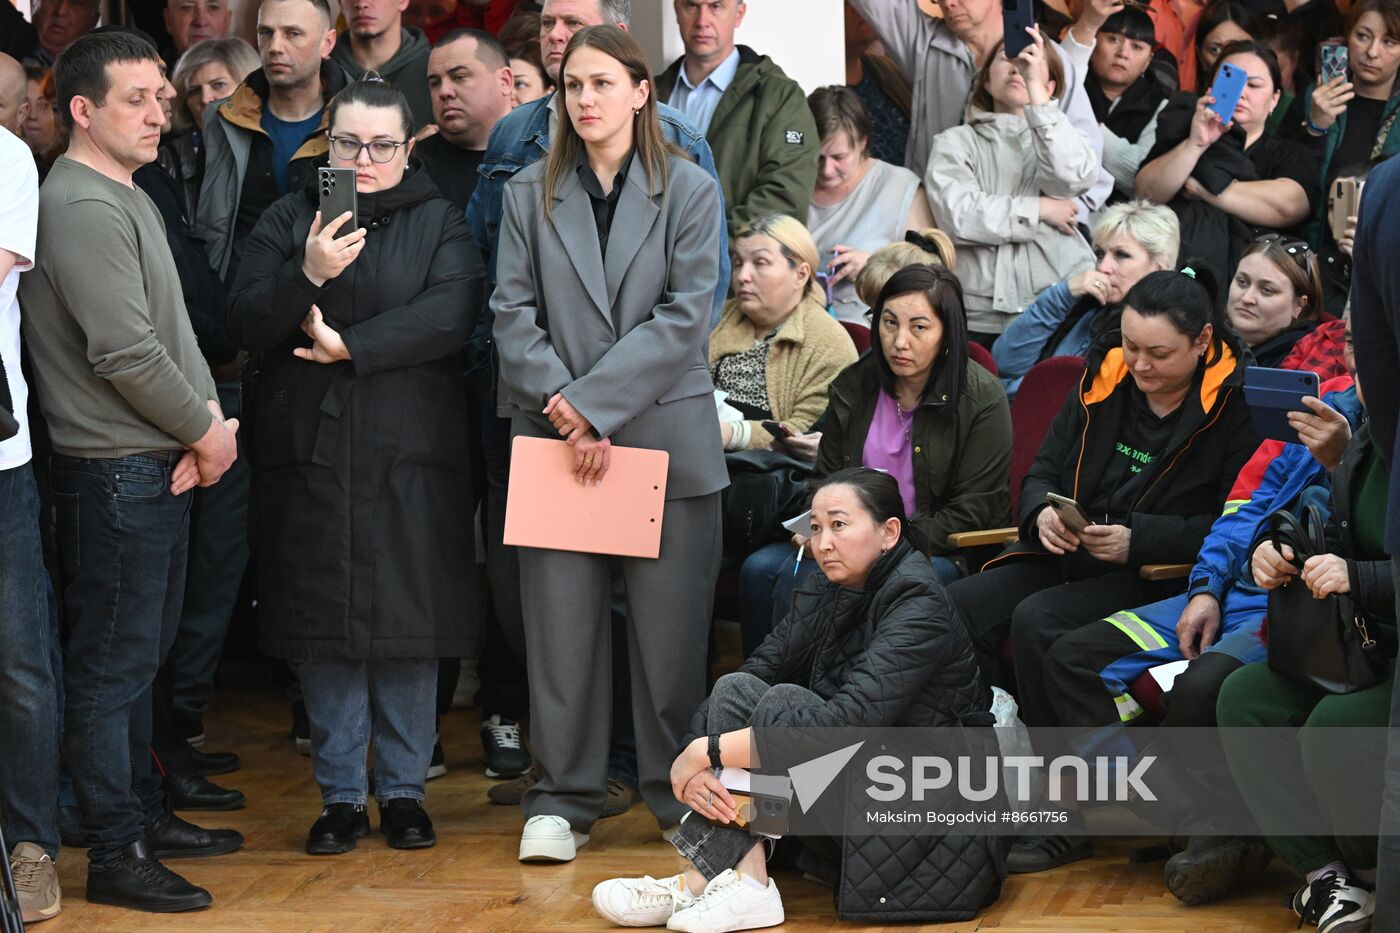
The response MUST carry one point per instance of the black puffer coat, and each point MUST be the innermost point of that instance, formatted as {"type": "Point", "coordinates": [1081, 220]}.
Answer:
{"type": "Point", "coordinates": [361, 469]}
{"type": "Point", "coordinates": [891, 654]}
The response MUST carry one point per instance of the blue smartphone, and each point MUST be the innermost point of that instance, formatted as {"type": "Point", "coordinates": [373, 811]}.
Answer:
{"type": "Point", "coordinates": [1272, 393]}
{"type": "Point", "coordinates": [1016, 17]}
{"type": "Point", "coordinates": [1226, 89]}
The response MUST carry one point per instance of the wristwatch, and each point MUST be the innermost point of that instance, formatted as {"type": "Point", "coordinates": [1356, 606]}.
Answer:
{"type": "Point", "coordinates": [714, 751]}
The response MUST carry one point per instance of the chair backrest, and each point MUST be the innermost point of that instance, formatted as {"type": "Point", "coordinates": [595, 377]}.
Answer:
{"type": "Point", "coordinates": [982, 356]}
{"type": "Point", "coordinates": [1037, 401]}
{"type": "Point", "coordinates": [860, 335]}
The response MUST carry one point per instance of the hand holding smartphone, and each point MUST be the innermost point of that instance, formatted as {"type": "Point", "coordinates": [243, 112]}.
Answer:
{"type": "Point", "coordinates": [1069, 512]}
{"type": "Point", "coordinates": [1226, 90]}
{"type": "Point", "coordinates": [777, 429]}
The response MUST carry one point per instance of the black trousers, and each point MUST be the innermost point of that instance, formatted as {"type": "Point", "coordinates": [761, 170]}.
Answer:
{"type": "Point", "coordinates": [1035, 601]}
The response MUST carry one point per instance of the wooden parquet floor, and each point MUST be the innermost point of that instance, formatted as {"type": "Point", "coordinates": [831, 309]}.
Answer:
{"type": "Point", "coordinates": [471, 881]}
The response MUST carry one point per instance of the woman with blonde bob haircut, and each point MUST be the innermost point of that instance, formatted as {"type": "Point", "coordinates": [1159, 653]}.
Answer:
{"type": "Point", "coordinates": [775, 349]}
{"type": "Point", "coordinates": [609, 254]}
{"type": "Point", "coordinates": [1131, 240]}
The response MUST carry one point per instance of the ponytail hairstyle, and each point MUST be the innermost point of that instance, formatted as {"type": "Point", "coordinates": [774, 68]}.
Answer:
{"type": "Point", "coordinates": [652, 149]}
{"type": "Point", "coordinates": [931, 246]}
{"type": "Point", "coordinates": [1185, 299]}
{"type": "Point", "coordinates": [372, 91]}
{"type": "Point", "coordinates": [878, 493]}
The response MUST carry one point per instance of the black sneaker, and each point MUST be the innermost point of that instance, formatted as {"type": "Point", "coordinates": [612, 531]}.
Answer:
{"type": "Point", "coordinates": [139, 882]}
{"type": "Point", "coordinates": [337, 828]}
{"type": "Point", "coordinates": [171, 837]}
{"type": "Point", "coordinates": [406, 824]}
{"type": "Point", "coordinates": [438, 767]}
{"type": "Point", "coordinates": [1042, 853]}
{"type": "Point", "coordinates": [1210, 867]}
{"type": "Point", "coordinates": [505, 756]}
{"type": "Point", "coordinates": [301, 728]}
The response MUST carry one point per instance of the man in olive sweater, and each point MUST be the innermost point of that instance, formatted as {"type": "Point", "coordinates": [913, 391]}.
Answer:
{"type": "Point", "coordinates": [135, 423]}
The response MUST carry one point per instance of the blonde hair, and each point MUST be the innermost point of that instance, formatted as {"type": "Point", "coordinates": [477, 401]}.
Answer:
{"type": "Point", "coordinates": [796, 243]}
{"type": "Point", "coordinates": [1153, 226]}
{"type": "Point", "coordinates": [890, 258]}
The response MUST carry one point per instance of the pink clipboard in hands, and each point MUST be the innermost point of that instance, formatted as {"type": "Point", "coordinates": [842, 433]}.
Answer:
{"type": "Point", "coordinates": [547, 508]}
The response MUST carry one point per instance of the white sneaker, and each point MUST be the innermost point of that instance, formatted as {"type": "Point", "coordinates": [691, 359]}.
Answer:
{"type": "Point", "coordinates": [549, 839]}
{"type": "Point", "coordinates": [1335, 904]}
{"type": "Point", "coordinates": [732, 901]}
{"type": "Point", "coordinates": [641, 902]}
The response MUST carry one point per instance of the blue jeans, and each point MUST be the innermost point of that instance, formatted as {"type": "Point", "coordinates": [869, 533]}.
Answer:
{"type": "Point", "coordinates": [123, 539]}
{"type": "Point", "coordinates": [395, 699]}
{"type": "Point", "coordinates": [31, 716]}
{"type": "Point", "coordinates": [767, 582]}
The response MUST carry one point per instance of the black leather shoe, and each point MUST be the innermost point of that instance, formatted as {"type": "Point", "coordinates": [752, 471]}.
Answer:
{"type": "Point", "coordinates": [208, 764]}
{"type": "Point", "coordinates": [336, 830]}
{"type": "Point", "coordinates": [172, 837]}
{"type": "Point", "coordinates": [406, 824]}
{"type": "Point", "coordinates": [138, 882]}
{"type": "Point", "coordinates": [192, 792]}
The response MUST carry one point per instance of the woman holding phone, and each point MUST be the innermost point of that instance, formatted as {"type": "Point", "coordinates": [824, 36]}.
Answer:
{"type": "Point", "coordinates": [609, 255]}
{"type": "Point", "coordinates": [1147, 447]}
{"type": "Point", "coordinates": [1227, 180]}
{"type": "Point", "coordinates": [362, 473]}
{"type": "Point", "coordinates": [1352, 122]}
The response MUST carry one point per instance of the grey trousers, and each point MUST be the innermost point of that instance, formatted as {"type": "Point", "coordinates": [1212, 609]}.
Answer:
{"type": "Point", "coordinates": [566, 598]}
{"type": "Point", "coordinates": [738, 701]}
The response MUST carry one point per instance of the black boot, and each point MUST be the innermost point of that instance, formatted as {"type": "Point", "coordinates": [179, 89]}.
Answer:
{"type": "Point", "coordinates": [1213, 866]}
{"type": "Point", "coordinates": [171, 837]}
{"type": "Point", "coordinates": [208, 764]}
{"type": "Point", "coordinates": [192, 792]}
{"type": "Point", "coordinates": [406, 824]}
{"type": "Point", "coordinates": [339, 825]}
{"type": "Point", "coordinates": [138, 882]}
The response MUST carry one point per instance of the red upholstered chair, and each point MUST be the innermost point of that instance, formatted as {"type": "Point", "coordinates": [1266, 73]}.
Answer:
{"type": "Point", "coordinates": [860, 335]}
{"type": "Point", "coordinates": [982, 357]}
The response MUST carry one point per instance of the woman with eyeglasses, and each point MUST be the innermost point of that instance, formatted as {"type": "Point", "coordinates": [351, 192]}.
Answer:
{"type": "Point", "coordinates": [1275, 297]}
{"type": "Point", "coordinates": [1228, 181]}
{"type": "Point", "coordinates": [362, 479]}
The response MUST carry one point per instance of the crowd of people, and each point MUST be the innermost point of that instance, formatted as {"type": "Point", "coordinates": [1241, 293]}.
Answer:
{"type": "Point", "coordinates": [831, 302]}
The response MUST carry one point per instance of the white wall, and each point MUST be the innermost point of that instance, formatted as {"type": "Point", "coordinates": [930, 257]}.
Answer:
{"type": "Point", "coordinates": [805, 37]}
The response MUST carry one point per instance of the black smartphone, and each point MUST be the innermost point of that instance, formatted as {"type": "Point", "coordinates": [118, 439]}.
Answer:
{"type": "Point", "coordinates": [1016, 17]}
{"type": "Point", "coordinates": [338, 196]}
{"type": "Point", "coordinates": [777, 429]}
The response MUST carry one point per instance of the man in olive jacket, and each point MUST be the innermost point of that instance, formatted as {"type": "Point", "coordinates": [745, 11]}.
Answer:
{"type": "Point", "coordinates": [754, 116]}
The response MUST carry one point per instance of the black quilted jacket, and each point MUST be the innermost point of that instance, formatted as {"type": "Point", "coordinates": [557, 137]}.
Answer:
{"type": "Point", "coordinates": [892, 654]}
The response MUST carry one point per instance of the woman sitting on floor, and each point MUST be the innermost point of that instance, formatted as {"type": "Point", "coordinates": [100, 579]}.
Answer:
{"type": "Point", "coordinates": [871, 642]}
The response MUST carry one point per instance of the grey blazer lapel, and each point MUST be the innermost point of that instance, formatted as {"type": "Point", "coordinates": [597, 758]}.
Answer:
{"type": "Point", "coordinates": [573, 219]}
{"type": "Point", "coordinates": [636, 213]}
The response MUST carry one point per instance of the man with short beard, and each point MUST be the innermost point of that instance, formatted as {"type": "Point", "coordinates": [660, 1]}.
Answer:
{"type": "Point", "coordinates": [269, 137]}
{"type": "Point", "coordinates": [377, 40]}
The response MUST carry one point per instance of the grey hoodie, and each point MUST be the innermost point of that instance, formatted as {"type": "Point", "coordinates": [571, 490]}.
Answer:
{"type": "Point", "coordinates": [407, 71]}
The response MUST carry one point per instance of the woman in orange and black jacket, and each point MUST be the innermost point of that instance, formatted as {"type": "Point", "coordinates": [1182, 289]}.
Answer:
{"type": "Point", "coordinates": [1149, 446]}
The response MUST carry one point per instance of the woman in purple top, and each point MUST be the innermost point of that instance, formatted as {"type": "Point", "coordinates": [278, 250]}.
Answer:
{"type": "Point", "coordinates": [914, 407]}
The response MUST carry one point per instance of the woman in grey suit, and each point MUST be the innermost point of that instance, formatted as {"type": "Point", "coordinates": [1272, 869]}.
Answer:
{"type": "Point", "coordinates": [609, 259]}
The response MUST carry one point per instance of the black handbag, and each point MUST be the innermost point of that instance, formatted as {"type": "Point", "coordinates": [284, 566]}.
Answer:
{"type": "Point", "coordinates": [1320, 642]}
{"type": "Point", "coordinates": [766, 488]}
{"type": "Point", "coordinates": [9, 424]}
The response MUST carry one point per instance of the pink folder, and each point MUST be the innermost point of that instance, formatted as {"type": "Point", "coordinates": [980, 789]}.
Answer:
{"type": "Point", "coordinates": [547, 508]}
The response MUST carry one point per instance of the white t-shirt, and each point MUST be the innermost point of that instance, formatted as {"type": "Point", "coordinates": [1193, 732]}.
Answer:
{"type": "Point", "coordinates": [19, 217]}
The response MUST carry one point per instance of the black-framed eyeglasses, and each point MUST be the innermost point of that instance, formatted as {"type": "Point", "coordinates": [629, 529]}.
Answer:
{"type": "Point", "coordinates": [347, 148]}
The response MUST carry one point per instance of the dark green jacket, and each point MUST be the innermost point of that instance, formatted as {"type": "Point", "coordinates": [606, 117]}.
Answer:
{"type": "Point", "coordinates": [962, 459]}
{"type": "Point", "coordinates": [764, 140]}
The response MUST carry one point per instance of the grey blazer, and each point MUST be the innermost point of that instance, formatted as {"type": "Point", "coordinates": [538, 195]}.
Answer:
{"type": "Point", "coordinates": [646, 383]}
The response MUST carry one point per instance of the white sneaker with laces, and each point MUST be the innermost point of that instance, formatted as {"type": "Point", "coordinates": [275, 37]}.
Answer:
{"type": "Point", "coordinates": [1335, 904]}
{"type": "Point", "coordinates": [641, 902]}
{"type": "Point", "coordinates": [549, 839]}
{"type": "Point", "coordinates": [732, 901]}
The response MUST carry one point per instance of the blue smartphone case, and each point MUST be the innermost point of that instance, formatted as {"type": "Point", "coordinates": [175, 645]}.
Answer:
{"type": "Point", "coordinates": [1226, 89]}
{"type": "Point", "coordinates": [1272, 393]}
{"type": "Point", "coordinates": [1016, 17]}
